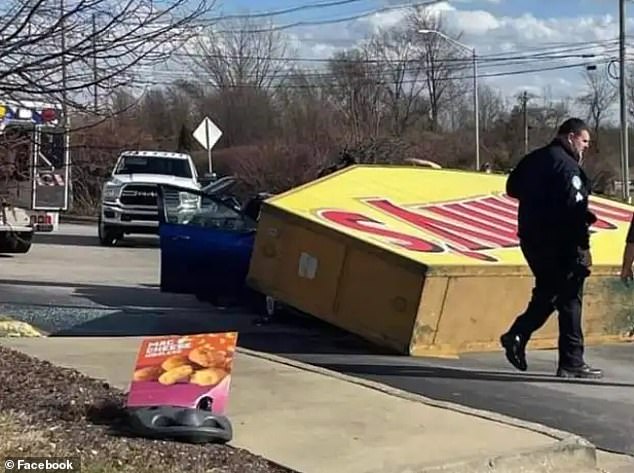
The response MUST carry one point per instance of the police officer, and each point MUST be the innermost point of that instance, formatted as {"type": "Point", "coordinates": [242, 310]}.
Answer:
{"type": "Point", "coordinates": [553, 229]}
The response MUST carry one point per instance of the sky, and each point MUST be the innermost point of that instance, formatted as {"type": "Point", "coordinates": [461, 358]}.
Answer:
{"type": "Point", "coordinates": [493, 27]}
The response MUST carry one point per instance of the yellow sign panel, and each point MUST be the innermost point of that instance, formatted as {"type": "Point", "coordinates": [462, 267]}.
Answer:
{"type": "Point", "coordinates": [437, 217]}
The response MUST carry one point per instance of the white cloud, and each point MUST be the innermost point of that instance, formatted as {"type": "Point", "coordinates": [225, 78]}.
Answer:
{"type": "Point", "coordinates": [476, 22]}
{"type": "Point", "coordinates": [492, 35]}
{"type": "Point", "coordinates": [387, 19]}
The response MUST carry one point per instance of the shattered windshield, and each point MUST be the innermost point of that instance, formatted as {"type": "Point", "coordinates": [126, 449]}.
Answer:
{"type": "Point", "coordinates": [154, 165]}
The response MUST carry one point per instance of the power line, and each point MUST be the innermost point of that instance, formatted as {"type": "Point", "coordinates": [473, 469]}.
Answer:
{"type": "Point", "coordinates": [495, 57]}
{"type": "Point", "coordinates": [330, 22]}
{"type": "Point", "coordinates": [364, 81]}
{"type": "Point", "coordinates": [284, 11]}
{"type": "Point", "coordinates": [410, 67]}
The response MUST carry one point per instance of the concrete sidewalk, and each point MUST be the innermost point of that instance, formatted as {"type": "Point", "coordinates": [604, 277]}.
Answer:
{"type": "Point", "coordinates": [316, 421]}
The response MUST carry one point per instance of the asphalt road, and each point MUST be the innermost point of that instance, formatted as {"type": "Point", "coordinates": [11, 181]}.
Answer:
{"type": "Point", "coordinates": [69, 285]}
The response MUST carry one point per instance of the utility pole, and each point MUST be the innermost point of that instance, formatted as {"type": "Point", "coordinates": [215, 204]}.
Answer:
{"type": "Point", "coordinates": [525, 115]}
{"type": "Point", "coordinates": [625, 165]}
{"type": "Point", "coordinates": [94, 61]}
{"type": "Point", "coordinates": [476, 109]}
{"type": "Point", "coordinates": [62, 9]}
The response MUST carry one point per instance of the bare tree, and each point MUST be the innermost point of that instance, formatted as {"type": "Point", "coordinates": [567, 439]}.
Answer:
{"type": "Point", "coordinates": [492, 106]}
{"type": "Point", "coordinates": [491, 109]}
{"type": "Point", "coordinates": [600, 95]}
{"type": "Point", "coordinates": [308, 112]}
{"type": "Point", "coordinates": [355, 84]}
{"type": "Point", "coordinates": [240, 53]}
{"type": "Point", "coordinates": [440, 61]}
{"type": "Point", "coordinates": [69, 51]}
{"type": "Point", "coordinates": [241, 63]}
{"type": "Point", "coordinates": [400, 72]}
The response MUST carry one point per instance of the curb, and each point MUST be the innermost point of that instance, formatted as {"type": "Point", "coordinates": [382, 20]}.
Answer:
{"type": "Point", "coordinates": [78, 219]}
{"type": "Point", "coordinates": [570, 453]}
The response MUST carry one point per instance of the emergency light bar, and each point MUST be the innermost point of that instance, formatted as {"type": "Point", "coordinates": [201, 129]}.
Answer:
{"type": "Point", "coordinates": [45, 115]}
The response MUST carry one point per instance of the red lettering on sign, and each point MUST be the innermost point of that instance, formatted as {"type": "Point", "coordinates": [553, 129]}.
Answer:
{"type": "Point", "coordinates": [452, 233]}
{"type": "Point", "coordinates": [469, 220]}
{"type": "Point", "coordinates": [468, 209]}
{"type": "Point", "coordinates": [355, 221]}
{"type": "Point", "coordinates": [464, 227]}
{"type": "Point", "coordinates": [500, 203]}
{"type": "Point", "coordinates": [610, 212]}
{"type": "Point", "coordinates": [489, 206]}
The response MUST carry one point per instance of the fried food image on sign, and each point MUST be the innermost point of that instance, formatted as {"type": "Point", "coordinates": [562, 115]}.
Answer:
{"type": "Point", "coordinates": [174, 361]}
{"type": "Point", "coordinates": [228, 361]}
{"type": "Point", "coordinates": [149, 373]}
{"type": "Point", "coordinates": [207, 357]}
{"type": "Point", "coordinates": [175, 375]}
{"type": "Point", "coordinates": [207, 377]}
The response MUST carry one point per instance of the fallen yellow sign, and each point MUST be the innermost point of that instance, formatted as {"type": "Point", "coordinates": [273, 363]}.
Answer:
{"type": "Point", "coordinates": [424, 261]}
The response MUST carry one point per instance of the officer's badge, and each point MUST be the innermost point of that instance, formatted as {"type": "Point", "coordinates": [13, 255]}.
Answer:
{"type": "Point", "coordinates": [576, 182]}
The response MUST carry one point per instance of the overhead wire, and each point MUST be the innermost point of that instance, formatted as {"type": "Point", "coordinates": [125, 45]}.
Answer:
{"type": "Point", "coordinates": [376, 72]}
{"type": "Point", "coordinates": [410, 65]}
{"type": "Point", "coordinates": [481, 58]}
{"type": "Point", "coordinates": [502, 59]}
{"type": "Point", "coordinates": [367, 80]}
{"type": "Point", "coordinates": [332, 21]}
{"type": "Point", "coordinates": [285, 11]}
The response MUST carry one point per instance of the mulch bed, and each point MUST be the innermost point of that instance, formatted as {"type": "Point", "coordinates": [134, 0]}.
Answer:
{"type": "Point", "coordinates": [76, 415]}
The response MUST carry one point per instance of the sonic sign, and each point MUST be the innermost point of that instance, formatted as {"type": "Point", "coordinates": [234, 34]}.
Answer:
{"type": "Point", "coordinates": [464, 218]}
{"type": "Point", "coordinates": [470, 227]}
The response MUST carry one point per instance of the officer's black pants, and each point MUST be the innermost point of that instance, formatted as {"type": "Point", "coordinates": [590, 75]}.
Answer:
{"type": "Point", "coordinates": [560, 274]}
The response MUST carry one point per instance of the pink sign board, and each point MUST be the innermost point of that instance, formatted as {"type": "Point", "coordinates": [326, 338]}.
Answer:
{"type": "Point", "coordinates": [184, 371]}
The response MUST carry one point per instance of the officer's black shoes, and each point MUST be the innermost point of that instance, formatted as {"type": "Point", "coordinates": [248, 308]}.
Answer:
{"type": "Point", "coordinates": [515, 350]}
{"type": "Point", "coordinates": [583, 371]}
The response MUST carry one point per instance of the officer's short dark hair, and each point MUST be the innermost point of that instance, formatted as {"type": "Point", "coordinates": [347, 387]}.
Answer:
{"type": "Point", "coordinates": [573, 125]}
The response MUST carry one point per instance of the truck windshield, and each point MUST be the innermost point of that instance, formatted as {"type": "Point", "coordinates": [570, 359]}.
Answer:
{"type": "Point", "coordinates": [154, 165]}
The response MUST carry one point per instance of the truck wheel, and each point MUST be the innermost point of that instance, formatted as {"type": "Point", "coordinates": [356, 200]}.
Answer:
{"type": "Point", "coordinates": [16, 242]}
{"type": "Point", "coordinates": [23, 242]}
{"type": "Point", "coordinates": [108, 235]}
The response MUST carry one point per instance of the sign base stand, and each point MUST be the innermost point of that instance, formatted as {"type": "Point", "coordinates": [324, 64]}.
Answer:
{"type": "Point", "coordinates": [179, 423]}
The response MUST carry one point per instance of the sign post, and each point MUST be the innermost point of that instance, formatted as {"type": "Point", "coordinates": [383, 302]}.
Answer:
{"type": "Point", "coordinates": [207, 134]}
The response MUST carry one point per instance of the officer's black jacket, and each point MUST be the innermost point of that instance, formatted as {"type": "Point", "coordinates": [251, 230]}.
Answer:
{"type": "Point", "coordinates": [552, 190]}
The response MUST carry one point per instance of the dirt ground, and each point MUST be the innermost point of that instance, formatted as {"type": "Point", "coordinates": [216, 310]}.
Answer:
{"type": "Point", "coordinates": [48, 411]}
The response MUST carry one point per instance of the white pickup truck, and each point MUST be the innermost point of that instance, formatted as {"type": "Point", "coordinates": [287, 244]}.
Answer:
{"type": "Point", "coordinates": [129, 199]}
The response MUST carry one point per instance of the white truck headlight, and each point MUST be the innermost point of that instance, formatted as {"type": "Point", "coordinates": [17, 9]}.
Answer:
{"type": "Point", "coordinates": [111, 191]}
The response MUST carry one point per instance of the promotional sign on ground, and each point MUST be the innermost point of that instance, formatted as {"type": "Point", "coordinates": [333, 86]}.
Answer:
{"type": "Point", "coordinates": [184, 371]}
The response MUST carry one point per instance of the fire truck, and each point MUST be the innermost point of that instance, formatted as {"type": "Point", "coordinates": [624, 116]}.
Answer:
{"type": "Point", "coordinates": [34, 172]}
